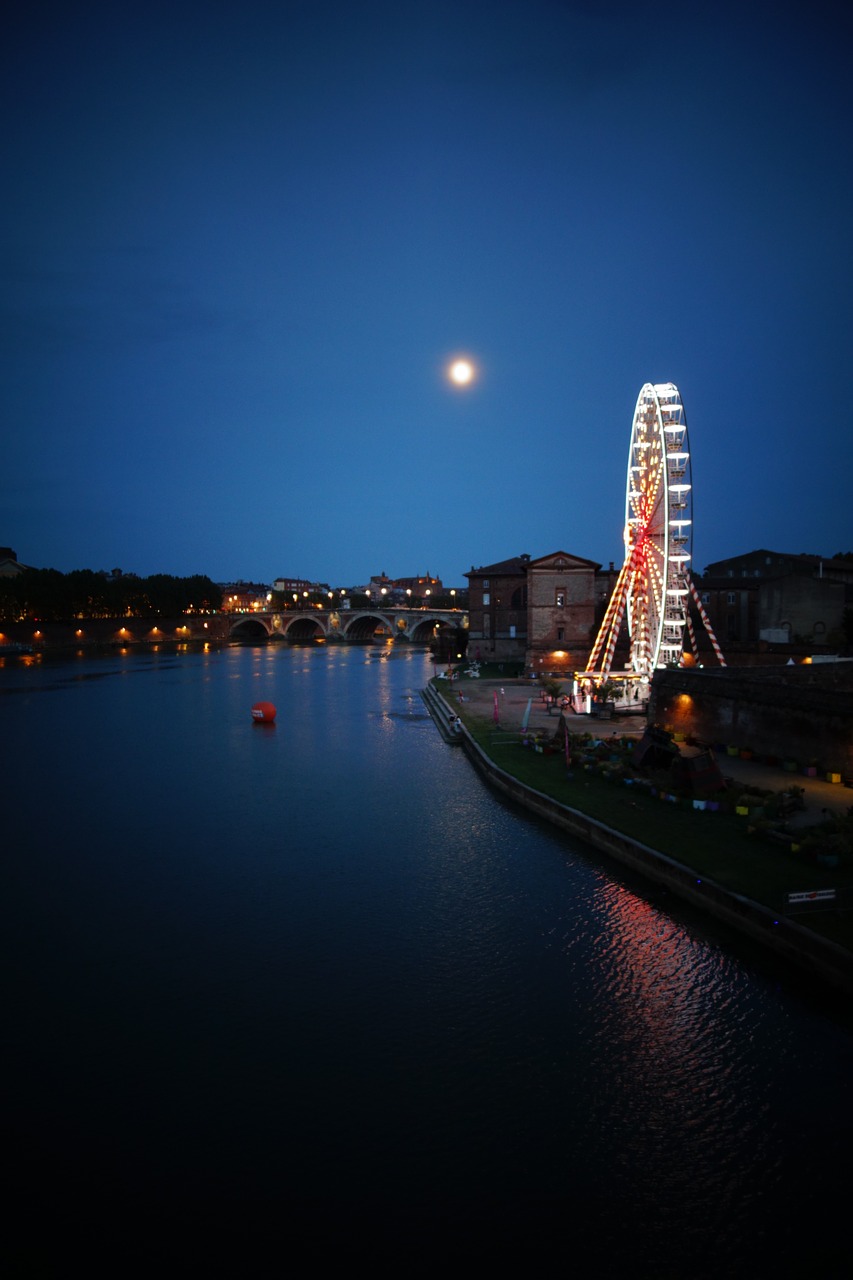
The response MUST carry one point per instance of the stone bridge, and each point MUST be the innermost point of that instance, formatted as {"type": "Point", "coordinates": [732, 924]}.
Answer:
{"type": "Point", "coordinates": [347, 625]}
{"type": "Point", "coordinates": [351, 625]}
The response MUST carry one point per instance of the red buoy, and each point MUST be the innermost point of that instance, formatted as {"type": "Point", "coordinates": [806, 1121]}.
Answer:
{"type": "Point", "coordinates": [263, 712]}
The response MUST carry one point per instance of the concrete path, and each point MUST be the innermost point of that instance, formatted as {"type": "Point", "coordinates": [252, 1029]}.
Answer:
{"type": "Point", "coordinates": [822, 799]}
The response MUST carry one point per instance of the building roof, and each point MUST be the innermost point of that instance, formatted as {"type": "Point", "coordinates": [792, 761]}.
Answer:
{"type": "Point", "coordinates": [804, 558]}
{"type": "Point", "coordinates": [516, 566]}
{"type": "Point", "coordinates": [571, 560]}
{"type": "Point", "coordinates": [10, 567]}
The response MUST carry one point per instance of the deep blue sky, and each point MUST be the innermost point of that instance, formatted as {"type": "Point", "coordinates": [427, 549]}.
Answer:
{"type": "Point", "coordinates": [241, 240]}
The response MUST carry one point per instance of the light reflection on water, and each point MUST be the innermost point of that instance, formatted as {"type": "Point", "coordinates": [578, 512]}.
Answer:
{"type": "Point", "coordinates": [319, 964]}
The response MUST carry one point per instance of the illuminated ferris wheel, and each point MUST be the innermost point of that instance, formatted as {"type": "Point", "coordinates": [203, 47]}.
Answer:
{"type": "Point", "coordinates": [654, 588]}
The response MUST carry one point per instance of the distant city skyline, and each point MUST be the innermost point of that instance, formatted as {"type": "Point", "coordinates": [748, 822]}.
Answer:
{"type": "Point", "coordinates": [244, 246]}
{"type": "Point", "coordinates": [368, 581]}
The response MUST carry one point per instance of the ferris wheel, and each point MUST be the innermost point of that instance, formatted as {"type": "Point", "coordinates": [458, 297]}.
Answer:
{"type": "Point", "coordinates": [654, 587]}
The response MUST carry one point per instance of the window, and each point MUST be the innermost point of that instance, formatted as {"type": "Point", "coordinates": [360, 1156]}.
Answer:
{"type": "Point", "coordinates": [731, 598]}
{"type": "Point", "coordinates": [511, 631]}
{"type": "Point", "coordinates": [485, 584]}
{"type": "Point", "coordinates": [561, 598]}
{"type": "Point", "coordinates": [706, 597]}
{"type": "Point", "coordinates": [487, 599]}
{"type": "Point", "coordinates": [560, 635]}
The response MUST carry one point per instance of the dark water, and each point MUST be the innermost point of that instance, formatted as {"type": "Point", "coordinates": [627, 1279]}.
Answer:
{"type": "Point", "coordinates": [315, 976]}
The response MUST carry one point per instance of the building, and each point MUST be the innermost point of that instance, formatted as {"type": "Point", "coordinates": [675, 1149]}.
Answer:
{"type": "Point", "coordinates": [291, 586]}
{"type": "Point", "coordinates": [244, 597]}
{"type": "Point", "coordinates": [563, 594]}
{"type": "Point", "coordinates": [418, 588]}
{"type": "Point", "coordinates": [497, 610]}
{"type": "Point", "coordinates": [543, 613]}
{"type": "Point", "coordinates": [777, 598]}
{"type": "Point", "coordinates": [763, 564]}
{"type": "Point", "coordinates": [9, 565]}
{"type": "Point", "coordinates": [403, 590]}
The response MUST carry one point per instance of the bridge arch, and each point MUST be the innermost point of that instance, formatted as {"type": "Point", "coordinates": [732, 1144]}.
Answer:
{"type": "Point", "coordinates": [368, 626]}
{"type": "Point", "coordinates": [250, 628]}
{"type": "Point", "coordinates": [301, 626]}
{"type": "Point", "coordinates": [297, 627]}
{"type": "Point", "coordinates": [424, 629]}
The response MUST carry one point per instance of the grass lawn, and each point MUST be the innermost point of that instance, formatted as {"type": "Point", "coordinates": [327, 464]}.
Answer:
{"type": "Point", "coordinates": [715, 844]}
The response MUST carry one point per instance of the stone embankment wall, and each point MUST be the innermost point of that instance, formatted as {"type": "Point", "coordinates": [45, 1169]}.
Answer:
{"type": "Point", "coordinates": [803, 712]}
{"type": "Point", "coordinates": [86, 633]}
{"type": "Point", "coordinates": [442, 715]}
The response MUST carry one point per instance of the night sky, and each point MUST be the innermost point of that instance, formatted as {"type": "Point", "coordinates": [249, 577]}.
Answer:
{"type": "Point", "coordinates": [242, 241]}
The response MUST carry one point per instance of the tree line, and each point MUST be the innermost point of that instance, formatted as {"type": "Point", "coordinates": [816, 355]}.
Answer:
{"type": "Point", "coordinates": [46, 595]}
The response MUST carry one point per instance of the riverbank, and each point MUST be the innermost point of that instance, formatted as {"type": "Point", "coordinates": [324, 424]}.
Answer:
{"type": "Point", "coordinates": [771, 922]}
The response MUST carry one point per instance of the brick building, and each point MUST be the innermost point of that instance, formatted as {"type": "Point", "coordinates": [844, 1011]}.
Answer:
{"type": "Point", "coordinates": [420, 588]}
{"type": "Point", "coordinates": [497, 610]}
{"type": "Point", "coordinates": [563, 594]}
{"type": "Point", "coordinates": [543, 612]}
{"type": "Point", "coordinates": [244, 597]}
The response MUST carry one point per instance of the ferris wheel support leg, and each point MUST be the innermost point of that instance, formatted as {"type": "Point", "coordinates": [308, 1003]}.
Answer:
{"type": "Point", "coordinates": [694, 648]}
{"type": "Point", "coordinates": [706, 621]}
{"type": "Point", "coordinates": [609, 629]}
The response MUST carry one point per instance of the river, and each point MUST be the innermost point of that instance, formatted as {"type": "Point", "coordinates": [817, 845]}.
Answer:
{"type": "Point", "coordinates": [317, 971]}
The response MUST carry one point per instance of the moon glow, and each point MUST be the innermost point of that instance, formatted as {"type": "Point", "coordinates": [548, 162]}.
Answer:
{"type": "Point", "coordinates": [461, 372]}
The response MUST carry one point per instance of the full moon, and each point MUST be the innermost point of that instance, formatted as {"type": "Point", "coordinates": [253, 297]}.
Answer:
{"type": "Point", "coordinates": [461, 372]}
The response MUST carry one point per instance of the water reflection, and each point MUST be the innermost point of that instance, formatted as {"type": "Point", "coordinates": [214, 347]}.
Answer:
{"type": "Point", "coordinates": [671, 1053]}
